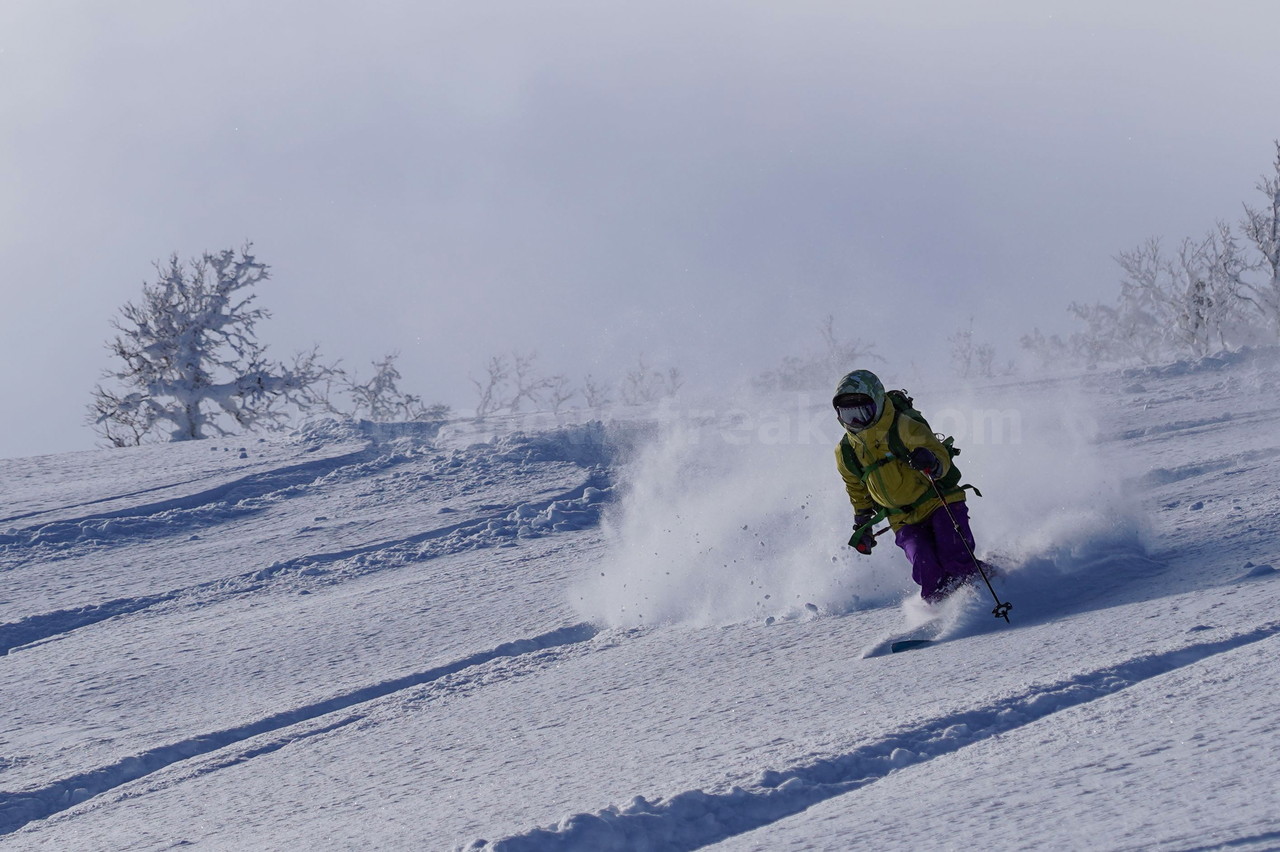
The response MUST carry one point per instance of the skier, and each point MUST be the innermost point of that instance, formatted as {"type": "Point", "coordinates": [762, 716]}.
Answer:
{"type": "Point", "coordinates": [887, 456]}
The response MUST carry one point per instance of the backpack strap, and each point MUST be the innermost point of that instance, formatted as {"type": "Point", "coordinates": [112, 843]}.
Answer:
{"type": "Point", "coordinates": [896, 446]}
{"type": "Point", "coordinates": [887, 511]}
{"type": "Point", "coordinates": [851, 458]}
{"type": "Point", "coordinates": [948, 484]}
{"type": "Point", "coordinates": [897, 450]}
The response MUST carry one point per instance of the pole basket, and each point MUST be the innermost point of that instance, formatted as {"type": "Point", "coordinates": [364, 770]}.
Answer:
{"type": "Point", "coordinates": [1002, 607]}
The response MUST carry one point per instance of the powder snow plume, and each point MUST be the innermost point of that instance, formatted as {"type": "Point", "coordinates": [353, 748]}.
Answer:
{"type": "Point", "coordinates": [742, 515]}
{"type": "Point", "coordinates": [735, 517]}
{"type": "Point", "coordinates": [1055, 518]}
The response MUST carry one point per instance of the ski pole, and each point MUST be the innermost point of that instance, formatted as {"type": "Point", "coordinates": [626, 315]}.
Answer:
{"type": "Point", "coordinates": [1002, 607]}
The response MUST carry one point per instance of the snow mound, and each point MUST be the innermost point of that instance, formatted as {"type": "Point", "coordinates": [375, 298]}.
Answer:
{"type": "Point", "coordinates": [591, 444]}
{"type": "Point", "coordinates": [1265, 355]}
{"type": "Point", "coordinates": [1256, 571]}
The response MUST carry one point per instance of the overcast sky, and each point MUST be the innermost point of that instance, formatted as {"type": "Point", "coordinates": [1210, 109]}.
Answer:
{"type": "Point", "coordinates": [701, 181]}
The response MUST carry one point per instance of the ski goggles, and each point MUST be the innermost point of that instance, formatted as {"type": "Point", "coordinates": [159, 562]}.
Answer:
{"type": "Point", "coordinates": [856, 411]}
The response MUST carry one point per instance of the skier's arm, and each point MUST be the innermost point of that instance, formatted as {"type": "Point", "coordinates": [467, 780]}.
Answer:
{"type": "Point", "coordinates": [858, 495]}
{"type": "Point", "coordinates": [916, 435]}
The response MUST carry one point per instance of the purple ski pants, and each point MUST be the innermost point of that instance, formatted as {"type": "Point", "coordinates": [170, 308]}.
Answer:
{"type": "Point", "coordinates": [938, 557]}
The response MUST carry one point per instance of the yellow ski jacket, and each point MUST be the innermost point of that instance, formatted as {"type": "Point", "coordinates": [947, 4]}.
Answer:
{"type": "Point", "coordinates": [888, 481]}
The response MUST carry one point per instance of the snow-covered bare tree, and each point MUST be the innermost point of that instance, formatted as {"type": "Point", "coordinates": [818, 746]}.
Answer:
{"type": "Point", "coordinates": [1186, 301]}
{"type": "Point", "coordinates": [672, 381]}
{"type": "Point", "coordinates": [510, 382]}
{"type": "Point", "coordinates": [192, 366]}
{"type": "Point", "coordinates": [984, 359]}
{"type": "Point", "coordinates": [962, 350]}
{"type": "Point", "coordinates": [1181, 304]}
{"type": "Point", "coordinates": [595, 392]}
{"type": "Point", "coordinates": [836, 357]}
{"type": "Point", "coordinates": [1262, 228]}
{"type": "Point", "coordinates": [1209, 293]}
{"type": "Point", "coordinates": [1172, 303]}
{"type": "Point", "coordinates": [380, 399]}
{"type": "Point", "coordinates": [1217, 268]}
{"type": "Point", "coordinates": [1050, 350]}
{"type": "Point", "coordinates": [559, 391]}
{"type": "Point", "coordinates": [969, 358]}
{"type": "Point", "coordinates": [643, 384]}
{"type": "Point", "coordinates": [492, 388]}
{"type": "Point", "coordinates": [528, 385]}
{"type": "Point", "coordinates": [1114, 334]}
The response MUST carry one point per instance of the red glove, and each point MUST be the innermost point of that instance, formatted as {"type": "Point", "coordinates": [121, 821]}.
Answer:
{"type": "Point", "coordinates": [867, 540]}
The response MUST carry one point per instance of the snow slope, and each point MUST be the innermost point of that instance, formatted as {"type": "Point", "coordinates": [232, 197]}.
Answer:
{"type": "Point", "coordinates": [648, 634]}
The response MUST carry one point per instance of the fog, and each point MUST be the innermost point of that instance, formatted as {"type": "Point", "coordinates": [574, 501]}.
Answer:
{"type": "Point", "coordinates": [699, 181]}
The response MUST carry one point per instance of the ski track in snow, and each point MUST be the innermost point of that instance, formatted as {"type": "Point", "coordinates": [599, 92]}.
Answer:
{"type": "Point", "coordinates": [576, 508]}
{"type": "Point", "coordinates": [1240, 461]}
{"type": "Point", "coordinates": [698, 818]}
{"type": "Point", "coordinates": [177, 515]}
{"type": "Point", "coordinates": [1270, 839]}
{"type": "Point", "coordinates": [501, 525]}
{"type": "Point", "coordinates": [708, 810]}
{"type": "Point", "coordinates": [108, 499]}
{"type": "Point", "coordinates": [585, 445]}
{"type": "Point", "coordinates": [18, 809]}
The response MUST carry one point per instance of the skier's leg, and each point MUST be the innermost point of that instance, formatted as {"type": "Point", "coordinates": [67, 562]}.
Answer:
{"type": "Point", "coordinates": [917, 541]}
{"type": "Point", "coordinates": [953, 550]}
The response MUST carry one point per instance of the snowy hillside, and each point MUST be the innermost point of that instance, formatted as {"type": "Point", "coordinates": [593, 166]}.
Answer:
{"type": "Point", "coordinates": [647, 633]}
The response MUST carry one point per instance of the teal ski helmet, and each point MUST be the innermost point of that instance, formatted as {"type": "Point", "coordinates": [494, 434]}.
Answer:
{"type": "Point", "coordinates": [859, 400]}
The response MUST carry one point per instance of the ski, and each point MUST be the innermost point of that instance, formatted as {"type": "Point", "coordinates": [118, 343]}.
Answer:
{"type": "Point", "coordinates": [894, 643]}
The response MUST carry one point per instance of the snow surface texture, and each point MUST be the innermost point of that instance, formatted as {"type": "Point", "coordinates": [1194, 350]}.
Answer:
{"type": "Point", "coordinates": [649, 635]}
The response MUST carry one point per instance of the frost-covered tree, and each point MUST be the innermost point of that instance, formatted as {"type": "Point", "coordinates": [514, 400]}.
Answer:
{"type": "Point", "coordinates": [644, 385]}
{"type": "Point", "coordinates": [962, 351]}
{"type": "Point", "coordinates": [1118, 333]}
{"type": "Point", "coordinates": [191, 364]}
{"type": "Point", "coordinates": [1050, 350]}
{"type": "Point", "coordinates": [1262, 228]}
{"type": "Point", "coordinates": [836, 357]}
{"type": "Point", "coordinates": [511, 381]}
{"type": "Point", "coordinates": [492, 389]}
{"type": "Point", "coordinates": [559, 391]}
{"type": "Point", "coordinates": [1187, 301]}
{"type": "Point", "coordinates": [527, 384]}
{"type": "Point", "coordinates": [971, 359]}
{"type": "Point", "coordinates": [597, 393]}
{"type": "Point", "coordinates": [1182, 304]}
{"type": "Point", "coordinates": [380, 398]}
{"type": "Point", "coordinates": [1217, 292]}
{"type": "Point", "coordinates": [1173, 296]}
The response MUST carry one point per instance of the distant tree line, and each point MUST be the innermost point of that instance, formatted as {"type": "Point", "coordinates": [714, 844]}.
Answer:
{"type": "Point", "coordinates": [188, 364]}
{"type": "Point", "coordinates": [832, 357]}
{"type": "Point", "coordinates": [1217, 291]}
{"type": "Point", "coordinates": [513, 383]}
